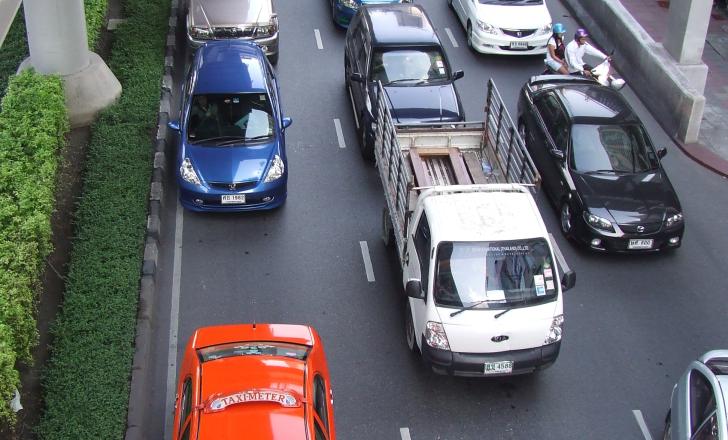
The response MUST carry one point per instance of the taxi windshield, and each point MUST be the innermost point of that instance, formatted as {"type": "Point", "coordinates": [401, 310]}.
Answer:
{"type": "Point", "coordinates": [248, 348]}
{"type": "Point", "coordinates": [498, 274]}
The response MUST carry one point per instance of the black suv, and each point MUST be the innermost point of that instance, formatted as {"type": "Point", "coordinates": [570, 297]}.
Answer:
{"type": "Point", "coordinates": [397, 45]}
{"type": "Point", "coordinates": [598, 165]}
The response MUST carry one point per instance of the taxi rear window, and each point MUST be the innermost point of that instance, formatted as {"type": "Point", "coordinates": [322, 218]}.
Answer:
{"type": "Point", "coordinates": [249, 348]}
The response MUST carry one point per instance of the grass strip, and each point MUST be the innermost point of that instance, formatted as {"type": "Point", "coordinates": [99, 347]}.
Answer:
{"type": "Point", "coordinates": [87, 379]}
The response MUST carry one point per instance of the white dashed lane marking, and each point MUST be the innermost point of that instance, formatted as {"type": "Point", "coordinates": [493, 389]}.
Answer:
{"type": "Point", "coordinates": [451, 37]}
{"type": "Point", "coordinates": [404, 433]}
{"type": "Point", "coordinates": [367, 261]}
{"type": "Point", "coordinates": [641, 422]}
{"type": "Point", "coordinates": [339, 133]}
{"type": "Point", "coordinates": [317, 34]}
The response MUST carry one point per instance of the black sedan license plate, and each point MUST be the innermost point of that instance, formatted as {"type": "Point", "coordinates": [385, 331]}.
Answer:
{"type": "Point", "coordinates": [640, 243]}
{"type": "Point", "coordinates": [500, 367]}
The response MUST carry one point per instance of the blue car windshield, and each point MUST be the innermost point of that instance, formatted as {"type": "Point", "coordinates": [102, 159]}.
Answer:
{"type": "Point", "coordinates": [224, 117]}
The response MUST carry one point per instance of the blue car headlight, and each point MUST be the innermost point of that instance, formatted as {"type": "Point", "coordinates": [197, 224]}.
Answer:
{"type": "Point", "coordinates": [598, 222]}
{"type": "Point", "coordinates": [673, 219]}
{"type": "Point", "coordinates": [188, 173]}
{"type": "Point", "coordinates": [276, 170]}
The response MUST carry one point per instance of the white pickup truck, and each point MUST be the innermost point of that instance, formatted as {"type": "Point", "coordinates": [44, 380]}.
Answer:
{"type": "Point", "coordinates": [479, 267]}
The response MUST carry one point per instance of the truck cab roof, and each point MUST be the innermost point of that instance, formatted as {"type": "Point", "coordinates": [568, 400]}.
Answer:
{"type": "Point", "coordinates": [493, 212]}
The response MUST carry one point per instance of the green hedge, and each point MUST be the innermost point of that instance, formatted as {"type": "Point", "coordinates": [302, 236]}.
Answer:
{"type": "Point", "coordinates": [87, 379]}
{"type": "Point", "coordinates": [33, 125]}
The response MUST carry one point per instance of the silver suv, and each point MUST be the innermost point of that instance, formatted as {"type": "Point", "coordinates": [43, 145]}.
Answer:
{"type": "Point", "coordinates": [254, 20]}
{"type": "Point", "coordinates": [699, 399]}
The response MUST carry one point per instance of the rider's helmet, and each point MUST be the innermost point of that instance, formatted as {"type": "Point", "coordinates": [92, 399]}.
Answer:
{"type": "Point", "coordinates": [581, 33]}
{"type": "Point", "coordinates": [559, 29]}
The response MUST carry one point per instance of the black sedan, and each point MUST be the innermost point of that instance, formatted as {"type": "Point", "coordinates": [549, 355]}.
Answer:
{"type": "Point", "coordinates": [599, 166]}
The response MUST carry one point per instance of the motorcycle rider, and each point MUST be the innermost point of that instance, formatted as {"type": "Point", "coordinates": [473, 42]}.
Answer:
{"type": "Point", "coordinates": [575, 51]}
{"type": "Point", "coordinates": [555, 56]}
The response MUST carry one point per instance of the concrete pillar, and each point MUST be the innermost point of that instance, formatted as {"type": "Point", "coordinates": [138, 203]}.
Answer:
{"type": "Point", "coordinates": [58, 44]}
{"type": "Point", "coordinates": [687, 27]}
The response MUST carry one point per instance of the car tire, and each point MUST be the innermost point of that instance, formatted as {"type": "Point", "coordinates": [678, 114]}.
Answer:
{"type": "Point", "coordinates": [365, 144]}
{"type": "Point", "coordinates": [470, 36]}
{"type": "Point", "coordinates": [409, 329]}
{"type": "Point", "coordinates": [667, 433]}
{"type": "Point", "coordinates": [566, 219]}
{"type": "Point", "coordinates": [387, 229]}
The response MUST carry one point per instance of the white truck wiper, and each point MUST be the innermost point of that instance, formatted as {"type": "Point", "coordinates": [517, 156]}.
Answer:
{"type": "Point", "coordinates": [473, 305]}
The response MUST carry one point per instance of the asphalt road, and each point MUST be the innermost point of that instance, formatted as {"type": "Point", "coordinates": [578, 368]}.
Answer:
{"type": "Point", "coordinates": [633, 323]}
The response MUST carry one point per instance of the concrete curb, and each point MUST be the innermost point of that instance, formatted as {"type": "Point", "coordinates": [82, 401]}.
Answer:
{"type": "Point", "coordinates": [139, 403]}
{"type": "Point", "coordinates": [705, 157]}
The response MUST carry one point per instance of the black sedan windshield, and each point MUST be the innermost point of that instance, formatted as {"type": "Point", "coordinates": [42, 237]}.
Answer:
{"type": "Point", "coordinates": [611, 148]}
{"type": "Point", "coordinates": [409, 65]}
{"type": "Point", "coordinates": [225, 117]}
{"type": "Point", "coordinates": [500, 273]}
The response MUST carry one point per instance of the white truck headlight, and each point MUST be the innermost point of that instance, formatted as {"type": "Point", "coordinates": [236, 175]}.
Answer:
{"type": "Point", "coordinates": [435, 336]}
{"type": "Point", "coordinates": [555, 330]}
{"type": "Point", "coordinates": [598, 222]}
{"type": "Point", "coordinates": [188, 173]}
{"type": "Point", "coordinates": [276, 170]}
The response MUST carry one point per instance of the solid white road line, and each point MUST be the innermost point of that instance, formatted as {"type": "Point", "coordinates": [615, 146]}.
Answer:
{"type": "Point", "coordinates": [641, 421]}
{"type": "Point", "coordinates": [173, 322]}
{"type": "Point", "coordinates": [367, 261]}
{"type": "Point", "coordinates": [339, 133]}
{"type": "Point", "coordinates": [319, 44]}
{"type": "Point", "coordinates": [452, 38]}
{"type": "Point", "coordinates": [404, 433]}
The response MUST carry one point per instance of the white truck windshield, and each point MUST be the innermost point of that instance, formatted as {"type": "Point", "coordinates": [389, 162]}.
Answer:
{"type": "Point", "coordinates": [499, 274]}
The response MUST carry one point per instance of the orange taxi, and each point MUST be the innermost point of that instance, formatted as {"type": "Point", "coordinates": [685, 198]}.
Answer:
{"type": "Point", "coordinates": [254, 381]}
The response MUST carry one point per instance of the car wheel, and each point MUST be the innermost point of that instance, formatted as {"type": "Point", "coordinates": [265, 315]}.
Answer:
{"type": "Point", "coordinates": [667, 434]}
{"type": "Point", "coordinates": [470, 36]}
{"type": "Point", "coordinates": [566, 218]}
{"type": "Point", "coordinates": [365, 144]}
{"type": "Point", "coordinates": [387, 229]}
{"type": "Point", "coordinates": [409, 329]}
{"type": "Point", "coordinates": [522, 130]}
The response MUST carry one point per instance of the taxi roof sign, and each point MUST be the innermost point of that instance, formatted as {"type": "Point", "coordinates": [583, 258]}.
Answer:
{"type": "Point", "coordinates": [219, 402]}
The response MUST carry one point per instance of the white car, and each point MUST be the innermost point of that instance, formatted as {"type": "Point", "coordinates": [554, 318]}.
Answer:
{"type": "Point", "coordinates": [505, 27]}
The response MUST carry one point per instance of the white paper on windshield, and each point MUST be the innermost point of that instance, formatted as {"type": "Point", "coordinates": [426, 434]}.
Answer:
{"type": "Point", "coordinates": [547, 273]}
{"type": "Point", "coordinates": [495, 295]}
{"type": "Point", "coordinates": [442, 70]}
{"type": "Point", "coordinates": [439, 64]}
{"type": "Point", "coordinates": [550, 284]}
{"type": "Point", "coordinates": [539, 284]}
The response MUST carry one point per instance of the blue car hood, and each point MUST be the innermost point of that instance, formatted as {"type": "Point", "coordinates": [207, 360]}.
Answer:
{"type": "Point", "coordinates": [229, 164]}
{"type": "Point", "coordinates": [417, 104]}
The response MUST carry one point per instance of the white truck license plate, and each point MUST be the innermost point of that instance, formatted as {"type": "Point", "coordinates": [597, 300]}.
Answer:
{"type": "Point", "coordinates": [519, 45]}
{"type": "Point", "coordinates": [233, 199]}
{"type": "Point", "coordinates": [640, 243]}
{"type": "Point", "coordinates": [500, 367]}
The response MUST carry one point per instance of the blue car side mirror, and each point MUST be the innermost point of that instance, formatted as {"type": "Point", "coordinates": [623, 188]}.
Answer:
{"type": "Point", "coordinates": [174, 125]}
{"type": "Point", "coordinates": [286, 122]}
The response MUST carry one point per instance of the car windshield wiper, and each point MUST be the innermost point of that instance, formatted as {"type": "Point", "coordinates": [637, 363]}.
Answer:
{"type": "Point", "coordinates": [217, 139]}
{"type": "Point", "coordinates": [473, 305]}
{"type": "Point", "coordinates": [607, 172]}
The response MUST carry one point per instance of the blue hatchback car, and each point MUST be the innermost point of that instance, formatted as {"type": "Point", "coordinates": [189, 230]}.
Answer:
{"type": "Point", "coordinates": [342, 11]}
{"type": "Point", "coordinates": [231, 153]}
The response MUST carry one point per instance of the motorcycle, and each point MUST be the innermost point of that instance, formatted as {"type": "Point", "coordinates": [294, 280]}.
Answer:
{"type": "Point", "coordinates": [602, 72]}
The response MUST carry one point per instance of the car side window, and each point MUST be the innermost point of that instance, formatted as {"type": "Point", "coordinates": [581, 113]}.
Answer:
{"type": "Point", "coordinates": [186, 406]}
{"type": "Point", "coordinates": [554, 119]}
{"type": "Point", "coordinates": [362, 53]}
{"type": "Point", "coordinates": [422, 246]}
{"type": "Point", "coordinates": [702, 401]}
{"type": "Point", "coordinates": [319, 400]}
